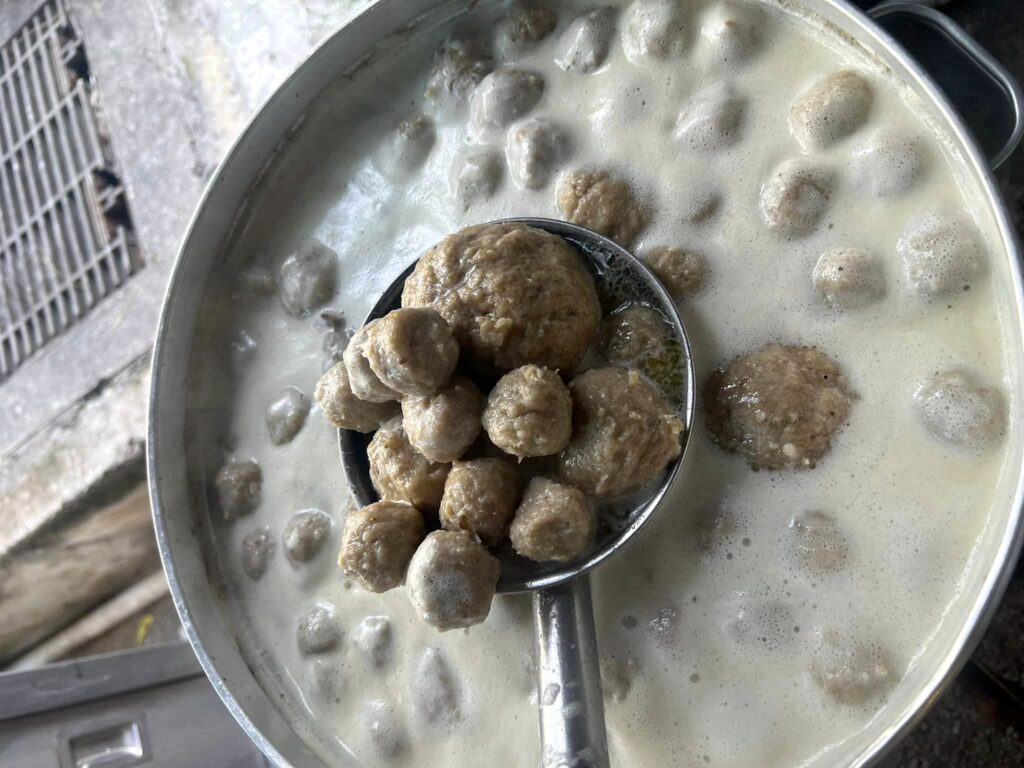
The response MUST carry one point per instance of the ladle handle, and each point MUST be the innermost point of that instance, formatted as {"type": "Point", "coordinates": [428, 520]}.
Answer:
{"type": "Point", "coordinates": [568, 678]}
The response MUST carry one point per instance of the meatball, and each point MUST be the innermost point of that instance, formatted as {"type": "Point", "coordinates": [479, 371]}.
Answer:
{"type": "Point", "coordinates": [553, 522]}
{"type": "Point", "coordinates": [889, 164]}
{"type": "Point", "coordinates": [941, 252]}
{"type": "Point", "coordinates": [731, 34]}
{"type": "Point", "coordinates": [476, 176]}
{"type": "Point", "coordinates": [623, 434]}
{"type": "Point", "coordinates": [779, 406]}
{"type": "Point", "coordinates": [305, 534]}
{"type": "Point", "coordinates": [852, 673]}
{"type": "Point", "coordinates": [529, 413]}
{"type": "Point", "coordinates": [511, 294]}
{"type": "Point", "coordinates": [318, 631]}
{"type": "Point", "coordinates": [830, 110]}
{"type": "Point", "coordinates": [457, 70]}
{"type": "Point", "coordinates": [957, 408]}
{"type": "Point", "coordinates": [286, 415]}
{"type": "Point", "coordinates": [257, 549]}
{"type": "Point", "coordinates": [711, 121]}
{"type": "Point", "coordinates": [848, 278]}
{"type": "Point", "coordinates": [343, 409]}
{"type": "Point", "coordinates": [380, 723]}
{"type": "Point", "coordinates": [818, 543]}
{"type": "Point", "coordinates": [436, 697]}
{"type": "Point", "coordinates": [365, 384]}
{"type": "Point", "coordinates": [239, 485]}
{"type": "Point", "coordinates": [452, 579]}
{"type": "Point", "coordinates": [400, 473]}
{"type": "Point", "coordinates": [634, 334]}
{"type": "Point", "coordinates": [378, 542]}
{"type": "Point", "coordinates": [373, 638]}
{"type": "Point", "coordinates": [480, 498]}
{"type": "Point", "coordinates": [504, 96]}
{"type": "Point", "coordinates": [408, 147]}
{"type": "Point", "coordinates": [412, 351]}
{"type": "Point", "coordinates": [584, 45]}
{"type": "Point", "coordinates": [536, 148]}
{"type": "Point", "coordinates": [607, 205]}
{"type": "Point", "coordinates": [308, 278]}
{"type": "Point", "coordinates": [681, 272]}
{"type": "Point", "coordinates": [795, 197]}
{"type": "Point", "coordinates": [521, 30]}
{"type": "Point", "coordinates": [653, 29]}
{"type": "Point", "coordinates": [441, 427]}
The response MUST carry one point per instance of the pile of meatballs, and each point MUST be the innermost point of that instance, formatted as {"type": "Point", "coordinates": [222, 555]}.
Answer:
{"type": "Point", "coordinates": [477, 438]}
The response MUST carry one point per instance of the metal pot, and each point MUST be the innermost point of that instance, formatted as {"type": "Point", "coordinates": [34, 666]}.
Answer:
{"type": "Point", "coordinates": [179, 497]}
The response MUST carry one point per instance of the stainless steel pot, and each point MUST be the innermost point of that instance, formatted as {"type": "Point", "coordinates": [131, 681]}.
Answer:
{"type": "Point", "coordinates": [179, 500]}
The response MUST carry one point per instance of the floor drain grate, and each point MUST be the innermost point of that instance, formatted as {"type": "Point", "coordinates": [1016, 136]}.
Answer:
{"type": "Point", "coordinates": [66, 241]}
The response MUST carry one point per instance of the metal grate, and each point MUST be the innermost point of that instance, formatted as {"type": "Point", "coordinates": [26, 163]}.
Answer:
{"type": "Point", "coordinates": [66, 241]}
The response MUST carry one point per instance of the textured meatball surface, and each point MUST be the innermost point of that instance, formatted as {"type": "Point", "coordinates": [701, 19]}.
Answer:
{"type": "Point", "coordinates": [942, 251]}
{"type": "Point", "coordinates": [305, 534]}
{"type": "Point", "coordinates": [525, 26]}
{"type": "Point", "coordinates": [623, 433]}
{"type": "Point", "coordinates": [286, 415]}
{"type": "Point", "coordinates": [779, 406]}
{"type": "Point", "coordinates": [365, 384]}
{"type": "Point", "coordinates": [682, 272]}
{"type": "Point", "coordinates": [795, 197]}
{"type": "Point", "coordinates": [318, 631]}
{"type": "Point", "coordinates": [818, 543]}
{"type": "Point", "coordinates": [343, 409]}
{"type": "Point", "coordinates": [536, 148]}
{"type": "Point", "coordinates": [852, 672]}
{"type": "Point", "coordinates": [504, 96]}
{"type": "Point", "coordinates": [584, 45]}
{"type": "Point", "coordinates": [444, 425]}
{"type": "Point", "coordinates": [634, 334]}
{"type": "Point", "coordinates": [412, 351]}
{"type": "Point", "coordinates": [239, 485]}
{"type": "Point", "coordinates": [458, 68]}
{"type": "Point", "coordinates": [308, 278]}
{"type": "Point", "coordinates": [959, 409]}
{"type": "Point", "coordinates": [511, 294]}
{"type": "Point", "coordinates": [607, 205]}
{"type": "Point", "coordinates": [257, 549]}
{"type": "Point", "coordinates": [401, 473]}
{"type": "Point", "coordinates": [553, 522]}
{"type": "Point", "coordinates": [849, 278]}
{"type": "Point", "coordinates": [529, 412]}
{"type": "Point", "coordinates": [451, 580]}
{"type": "Point", "coordinates": [830, 110]}
{"type": "Point", "coordinates": [480, 498]}
{"type": "Point", "coordinates": [377, 543]}
{"type": "Point", "coordinates": [653, 29]}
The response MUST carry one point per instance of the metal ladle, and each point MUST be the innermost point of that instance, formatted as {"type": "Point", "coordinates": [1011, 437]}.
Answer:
{"type": "Point", "coordinates": [568, 677]}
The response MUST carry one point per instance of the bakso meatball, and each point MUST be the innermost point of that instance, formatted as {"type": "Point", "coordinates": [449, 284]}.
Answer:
{"type": "Point", "coordinates": [504, 96]}
{"type": "Point", "coordinates": [795, 197]}
{"type": "Point", "coordinates": [374, 639]}
{"type": "Point", "coordinates": [888, 164]}
{"type": "Point", "coordinates": [852, 673]}
{"type": "Point", "coordinates": [634, 334]}
{"type": "Point", "coordinates": [584, 45]}
{"type": "Point", "coordinates": [521, 30]}
{"type": "Point", "coordinates": [408, 147]}
{"type": "Point", "coordinates": [848, 278]}
{"type": "Point", "coordinates": [711, 121]}
{"type": "Point", "coordinates": [476, 176]}
{"type": "Point", "coordinates": [553, 522]}
{"type": "Point", "coordinates": [412, 351]}
{"type": "Point", "coordinates": [457, 70]}
{"type": "Point", "coordinates": [308, 278]}
{"type": "Point", "coordinates": [305, 534]}
{"type": "Point", "coordinates": [731, 33]}
{"type": "Point", "coordinates": [511, 294]}
{"type": "Point", "coordinates": [343, 409]}
{"type": "Point", "coordinates": [607, 205]}
{"type": "Point", "coordinates": [653, 29]}
{"type": "Point", "coordinates": [286, 415]}
{"type": "Point", "coordinates": [365, 384]}
{"type": "Point", "coordinates": [239, 485]}
{"type": "Point", "coordinates": [451, 580]}
{"type": "Point", "coordinates": [830, 110]}
{"type": "Point", "coordinates": [682, 272]}
{"type": "Point", "coordinates": [377, 543]}
{"type": "Point", "coordinates": [536, 148]}
{"type": "Point", "coordinates": [529, 412]}
{"type": "Point", "coordinates": [257, 549]}
{"type": "Point", "coordinates": [778, 406]}
{"type": "Point", "coordinates": [401, 473]}
{"type": "Point", "coordinates": [959, 409]}
{"type": "Point", "coordinates": [623, 433]}
{"type": "Point", "coordinates": [379, 724]}
{"type": "Point", "coordinates": [480, 498]}
{"type": "Point", "coordinates": [444, 425]}
{"type": "Point", "coordinates": [818, 543]}
{"type": "Point", "coordinates": [941, 251]}
{"type": "Point", "coordinates": [318, 631]}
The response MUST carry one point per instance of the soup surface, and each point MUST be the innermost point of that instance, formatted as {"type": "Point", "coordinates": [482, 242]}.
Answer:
{"type": "Point", "coordinates": [765, 617]}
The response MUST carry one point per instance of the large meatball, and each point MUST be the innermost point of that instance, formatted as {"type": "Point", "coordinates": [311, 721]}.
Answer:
{"type": "Point", "coordinates": [779, 406]}
{"type": "Point", "coordinates": [598, 201]}
{"type": "Point", "coordinates": [623, 433]}
{"type": "Point", "coordinates": [818, 543]}
{"type": "Point", "coordinates": [412, 351]}
{"type": "Point", "coordinates": [457, 70]}
{"type": "Point", "coordinates": [451, 580]}
{"type": "Point", "coordinates": [239, 485]}
{"type": "Point", "coordinates": [504, 96]}
{"type": "Point", "coordinates": [365, 384]}
{"type": "Point", "coordinates": [957, 408]}
{"type": "Point", "coordinates": [584, 45]}
{"type": "Point", "coordinates": [848, 278]}
{"type": "Point", "coordinates": [305, 534]}
{"type": "Point", "coordinates": [711, 120]}
{"type": "Point", "coordinates": [401, 473]}
{"type": "Point", "coordinates": [529, 413]}
{"type": "Point", "coordinates": [286, 415]}
{"type": "Point", "coordinates": [653, 29]}
{"type": "Point", "coordinates": [888, 164]}
{"type": "Point", "coordinates": [536, 148]}
{"type": "Point", "coordinates": [511, 294]}
{"type": "Point", "coordinates": [830, 110]}
{"type": "Point", "coordinates": [476, 176]}
{"type": "Point", "coordinates": [941, 252]}
{"type": "Point", "coordinates": [634, 334]}
{"type": "Point", "coordinates": [378, 542]}
{"type": "Point", "coordinates": [408, 146]}
{"type": "Point", "coordinates": [257, 549]}
{"type": "Point", "coordinates": [444, 425]}
{"type": "Point", "coordinates": [682, 272]}
{"type": "Point", "coordinates": [553, 522]}
{"type": "Point", "coordinates": [852, 672]}
{"type": "Point", "coordinates": [480, 498]}
{"type": "Point", "coordinates": [308, 278]}
{"type": "Point", "coordinates": [343, 409]}
{"type": "Point", "coordinates": [520, 31]}
{"type": "Point", "coordinates": [795, 197]}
